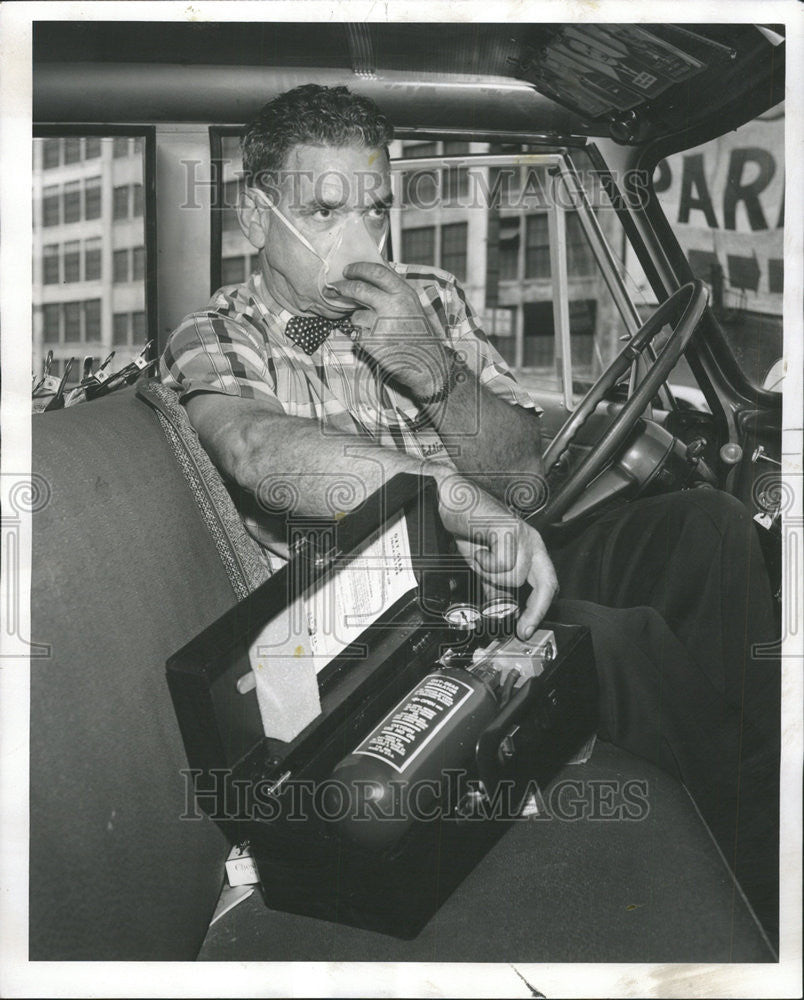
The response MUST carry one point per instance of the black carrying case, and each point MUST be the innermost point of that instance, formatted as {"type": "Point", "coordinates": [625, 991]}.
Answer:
{"type": "Point", "coordinates": [263, 790]}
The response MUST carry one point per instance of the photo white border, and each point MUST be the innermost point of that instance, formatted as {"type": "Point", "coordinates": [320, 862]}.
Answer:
{"type": "Point", "coordinates": [18, 977]}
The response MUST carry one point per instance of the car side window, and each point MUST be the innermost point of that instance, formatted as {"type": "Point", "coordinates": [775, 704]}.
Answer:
{"type": "Point", "coordinates": [91, 247]}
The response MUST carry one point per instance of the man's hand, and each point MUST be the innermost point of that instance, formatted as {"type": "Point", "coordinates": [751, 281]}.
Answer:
{"type": "Point", "coordinates": [503, 550]}
{"type": "Point", "coordinates": [398, 337]}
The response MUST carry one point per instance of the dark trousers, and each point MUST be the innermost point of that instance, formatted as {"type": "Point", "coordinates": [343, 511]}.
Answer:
{"type": "Point", "coordinates": [675, 592]}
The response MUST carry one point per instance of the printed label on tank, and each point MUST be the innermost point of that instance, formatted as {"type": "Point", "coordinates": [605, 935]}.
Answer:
{"type": "Point", "coordinates": [409, 727]}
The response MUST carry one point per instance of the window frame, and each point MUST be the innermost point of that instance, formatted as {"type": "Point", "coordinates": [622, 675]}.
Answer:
{"type": "Point", "coordinates": [71, 259]}
{"type": "Point", "coordinates": [532, 222]}
{"type": "Point", "coordinates": [87, 187]}
{"type": "Point", "coordinates": [121, 276]}
{"type": "Point", "coordinates": [76, 194]}
{"type": "Point", "coordinates": [51, 130]}
{"type": "Point", "coordinates": [124, 188]}
{"type": "Point", "coordinates": [55, 310]}
{"type": "Point", "coordinates": [85, 311]}
{"type": "Point", "coordinates": [76, 306]}
{"type": "Point", "coordinates": [216, 134]}
{"type": "Point", "coordinates": [51, 166]}
{"type": "Point", "coordinates": [93, 245]}
{"type": "Point", "coordinates": [126, 317]}
{"type": "Point", "coordinates": [137, 271]}
{"type": "Point", "coordinates": [51, 252]}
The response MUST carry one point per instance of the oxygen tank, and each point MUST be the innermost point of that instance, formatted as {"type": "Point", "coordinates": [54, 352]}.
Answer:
{"type": "Point", "coordinates": [394, 777]}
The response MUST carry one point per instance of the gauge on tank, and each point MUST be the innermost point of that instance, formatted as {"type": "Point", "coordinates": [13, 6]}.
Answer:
{"type": "Point", "coordinates": [500, 608]}
{"type": "Point", "coordinates": [462, 616]}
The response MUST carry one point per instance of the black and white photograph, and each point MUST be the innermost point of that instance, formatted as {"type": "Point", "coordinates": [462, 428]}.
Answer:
{"type": "Point", "coordinates": [402, 531]}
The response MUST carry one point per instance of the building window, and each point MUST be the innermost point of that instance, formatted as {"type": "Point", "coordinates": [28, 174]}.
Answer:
{"type": "Point", "coordinates": [580, 259]}
{"type": "Point", "coordinates": [50, 265]}
{"type": "Point", "coordinates": [418, 245]}
{"type": "Point", "coordinates": [50, 323]}
{"type": "Point", "coordinates": [137, 199]}
{"type": "Point", "coordinates": [536, 191]}
{"type": "Point", "coordinates": [92, 260]}
{"type": "Point", "coordinates": [120, 266]}
{"type": "Point", "coordinates": [138, 327]}
{"type": "Point", "coordinates": [120, 147]}
{"type": "Point", "coordinates": [138, 263]}
{"type": "Point", "coordinates": [72, 321]}
{"type": "Point", "coordinates": [92, 147]}
{"type": "Point", "coordinates": [233, 270]}
{"type": "Point", "coordinates": [509, 249]}
{"type": "Point", "coordinates": [582, 313]}
{"type": "Point", "coordinates": [420, 187]}
{"type": "Point", "coordinates": [92, 319]}
{"type": "Point", "coordinates": [59, 367]}
{"type": "Point", "coordinates": [51, 153]}
{"type": "Point", "coordinates": [453, 249]}
{"type": "Point", "coordinates": [72, 150]}
{"type": "Point", "coordinates": [92, 198]}
{"type": "Point", "coordinates": [776, 276]}
{"type": "Point", "coordinates": [120, 202]}
{"type": "Point", "coordinates": [454, 178]}
{"type": "Point", "coordinates": [120, 329]}
{"type": "Point", "coordinates": [72, 262]}
{"type": "Point", "coordinates": [537, 246]}
{"type": "Point", "coordinates": [538, 339]}
{"type": "Point", "coordinates": [51, 215]}
{"type": "Point", "coordinates": [72, 202]}
{"type": "Point", "coordinates": [500, 330]}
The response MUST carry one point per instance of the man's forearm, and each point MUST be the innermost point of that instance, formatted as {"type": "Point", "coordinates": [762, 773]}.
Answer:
{"type": "Point", "coordinates": [291, 467]}
{"type": "Point", "coordinates": [491, 441]}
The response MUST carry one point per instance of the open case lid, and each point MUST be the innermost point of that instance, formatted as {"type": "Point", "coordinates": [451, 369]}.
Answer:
{"type": "Point", "coordinates": [220, 719]}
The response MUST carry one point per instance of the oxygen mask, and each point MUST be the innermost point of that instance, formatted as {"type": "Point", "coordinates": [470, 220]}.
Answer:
{"type": "Point", "coordinates": [350, 243]}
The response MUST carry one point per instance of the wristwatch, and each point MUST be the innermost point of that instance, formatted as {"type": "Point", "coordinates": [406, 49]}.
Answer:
{"type": "Point", "coordinates": [456, 372]}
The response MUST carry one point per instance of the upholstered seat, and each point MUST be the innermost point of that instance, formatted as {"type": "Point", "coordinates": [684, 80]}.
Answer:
{"type": "Point", "coordinates": [138, 549]}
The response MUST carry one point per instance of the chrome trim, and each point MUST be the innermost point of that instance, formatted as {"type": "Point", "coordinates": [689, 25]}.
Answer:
{"type": "Point", "coordinates": [558, 262]}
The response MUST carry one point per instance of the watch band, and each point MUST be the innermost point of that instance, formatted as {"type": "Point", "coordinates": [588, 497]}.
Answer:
{"type": "Point", "coordinates": [455, 373]}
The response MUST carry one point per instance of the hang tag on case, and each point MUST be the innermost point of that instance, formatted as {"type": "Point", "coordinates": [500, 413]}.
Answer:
{"type": "Point", "coordinates": [240, 866]}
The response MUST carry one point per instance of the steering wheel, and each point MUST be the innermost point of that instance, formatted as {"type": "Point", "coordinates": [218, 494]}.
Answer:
{"type": "Point", "coordinates": [683, 310]}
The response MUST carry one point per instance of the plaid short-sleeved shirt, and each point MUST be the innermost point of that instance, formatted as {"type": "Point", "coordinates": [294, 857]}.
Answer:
{"type": "Point", "coordinates": [237, 346]}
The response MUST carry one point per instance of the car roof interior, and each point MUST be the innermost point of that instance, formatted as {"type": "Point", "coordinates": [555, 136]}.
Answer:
{"type": "Point", "coordinates": [422, 77]}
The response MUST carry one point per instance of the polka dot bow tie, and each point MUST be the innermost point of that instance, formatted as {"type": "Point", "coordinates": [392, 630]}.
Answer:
{"type": "Point", "coordinates": [310, 332]}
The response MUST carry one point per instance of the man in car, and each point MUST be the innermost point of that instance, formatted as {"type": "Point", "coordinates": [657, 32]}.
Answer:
{"type": "Point", "coordinates": [331, 365]}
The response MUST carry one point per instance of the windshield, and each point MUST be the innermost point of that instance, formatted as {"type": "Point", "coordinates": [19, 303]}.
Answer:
{"type": "Point", "coordinates": [528, 231]}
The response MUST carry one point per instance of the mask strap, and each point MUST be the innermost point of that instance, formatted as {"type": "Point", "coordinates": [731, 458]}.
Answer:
{"type": "Point", "coordinates": [299, 236]}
